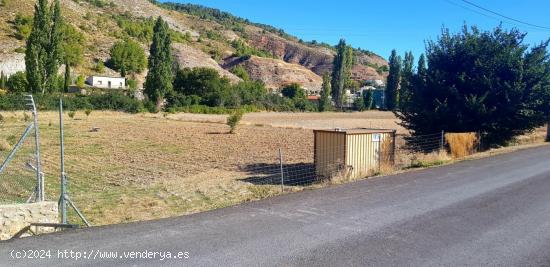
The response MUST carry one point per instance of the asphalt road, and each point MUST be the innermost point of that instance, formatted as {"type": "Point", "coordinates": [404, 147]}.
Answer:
{"type": "Point", "coordinates": [493, 211]}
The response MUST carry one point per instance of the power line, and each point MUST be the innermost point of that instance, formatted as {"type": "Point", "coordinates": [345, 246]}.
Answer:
{"type": "Point", "coordinates": [504, 16]}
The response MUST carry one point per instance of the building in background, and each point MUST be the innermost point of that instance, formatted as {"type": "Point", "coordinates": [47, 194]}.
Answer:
{"type": "Point", "coordinates": [106, 82]}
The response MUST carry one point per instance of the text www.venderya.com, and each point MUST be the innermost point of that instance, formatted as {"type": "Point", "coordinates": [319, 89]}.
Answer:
{"type": "Point", "coordinates": [70, 254]}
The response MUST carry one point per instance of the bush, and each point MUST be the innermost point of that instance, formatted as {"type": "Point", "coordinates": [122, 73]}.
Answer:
{"type": "Point", "coordinates": [72, 114]}
{"type": "Point", "coordinates": [80, 80]}
{"type": "Point", "coordinates": [234, 120]}
{"type": "Point", "coordinates": [17, 83]}
{"type": "Point", "coordinates": [88, 112]}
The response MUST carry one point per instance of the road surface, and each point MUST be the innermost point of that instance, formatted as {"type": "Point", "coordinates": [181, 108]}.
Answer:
{"type": "Point", "coordinates": [493, 211]}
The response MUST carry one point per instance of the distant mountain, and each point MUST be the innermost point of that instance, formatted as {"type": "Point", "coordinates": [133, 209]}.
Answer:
{"type": "Point", "coordinates": [203, 37]}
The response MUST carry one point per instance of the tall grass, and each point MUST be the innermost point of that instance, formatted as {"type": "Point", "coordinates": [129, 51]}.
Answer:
{"type": "Point", "coordinates": [462, 144]}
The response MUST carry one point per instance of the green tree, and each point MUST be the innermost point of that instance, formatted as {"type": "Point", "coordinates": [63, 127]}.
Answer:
{"type": "Point", "coordinates": [341, 71]}
{"type": "Point", "coordinates": [73, 41]}
{"type": "Point", "coordinates": [359, 103]}
{"type": "Point", "coordinates": [43, 53]}
{"type": "Point", "coordinates": [368, 96]}
{"type": "Point", "coordinates": [293, 91]}
{"type": "Point", "coordinates": [128, 56]}
{"type": "Point", "coordinates": [394, 78]}
{"type": "Point", "coordinates": [67, 80]}
{"type": "Point", "coordinates": [3, 80]}
{"type": "Point", "coordinates": [324, 101]}
{"type": "Point", "coordinates": [17, 83]}
{"type": "Point", "coordinates": [160, 76]}
{"type": "Point", "coordinates": [480, 81]}
{"type": "Point", "coordinates": [407, 77]}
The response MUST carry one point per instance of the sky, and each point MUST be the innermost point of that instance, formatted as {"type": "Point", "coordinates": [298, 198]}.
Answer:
{"type": "Point", "coordinates": [383, 25]}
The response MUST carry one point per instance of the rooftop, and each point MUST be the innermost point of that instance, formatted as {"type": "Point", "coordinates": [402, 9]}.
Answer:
{"type": "Point", "coordinates": [356, 130]}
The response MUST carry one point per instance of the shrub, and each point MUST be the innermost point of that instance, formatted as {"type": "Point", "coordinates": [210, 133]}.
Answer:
{"type": "Point", "coordinates": [17, 83]}
{"type": "Point", "coordinates": [26, 117]}
{"type": "Point", "coordinates": [80, 80]}
{"type": "Point", "coordinates": [234, 120]}
{"type": "Point", "coordinates": [100, 66]}
{"type": "Point", "coordinates": [71, 114]}
{"type": "Point", "coordinates": [88, 112]}
{"type": "Point", "coordinates": [461, 144]}
{"type": "Point", "coordinates": [4, 146]}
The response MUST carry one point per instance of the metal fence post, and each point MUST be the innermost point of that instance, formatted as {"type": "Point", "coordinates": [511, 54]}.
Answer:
{"type": "Point", "coordinates": [63, 197]}
{"type": "Point", "coordinates": [282, 172]}
{"type": "Point", "coordinates": [442, 141]}
{"type": "Point", "coordinates": [39, 174]}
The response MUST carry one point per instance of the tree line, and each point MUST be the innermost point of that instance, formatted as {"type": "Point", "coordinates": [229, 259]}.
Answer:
{"type": "Point", "coordinates": [489, 82]}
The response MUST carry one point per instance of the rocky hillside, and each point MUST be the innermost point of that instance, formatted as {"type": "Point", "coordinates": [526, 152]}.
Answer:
{"type": "Point", "coordinates": [204, 38]}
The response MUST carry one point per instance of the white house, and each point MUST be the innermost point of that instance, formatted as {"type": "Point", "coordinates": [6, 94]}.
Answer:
{"type": "Point", "coordinates": [106, 82]}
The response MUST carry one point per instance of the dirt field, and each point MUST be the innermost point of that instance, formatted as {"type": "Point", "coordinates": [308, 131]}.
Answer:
{"type": "Point", "coordinates": [148, 166]}
{"type": "Point", "coordinates": [369, 119]}
{"type": "Point", "coordinates": [140, 166]}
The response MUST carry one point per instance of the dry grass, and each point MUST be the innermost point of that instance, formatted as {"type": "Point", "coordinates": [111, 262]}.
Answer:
{"type": "Point", "coordinates": [4, 145]}
{"type": "Point", "coordinates": [462, 144]}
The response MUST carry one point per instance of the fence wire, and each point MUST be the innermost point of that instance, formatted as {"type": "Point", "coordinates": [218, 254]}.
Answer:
{"type": "Point", "coordinates": [17, 180]}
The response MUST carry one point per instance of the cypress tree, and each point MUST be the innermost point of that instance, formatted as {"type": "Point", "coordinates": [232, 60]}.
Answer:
{"type": "Point", "coordinates": [368, 99]}
{"type": "Point", "coordinates": [407, 77]}
{"type": "Point", "coordinates": [160, 76]}
{"type": "Point", "coordinates": [324, 102]}
{"type": "Point", "coordinates": [341, 71]}
{"type": "Point", "coordinates": [67, 81]}
{"type": "Point", "coordinates": [394, 77]}
{"type": "Point", "coordinates": [422, 72]}
{"type": "Point", "coordinates": [3, 80]}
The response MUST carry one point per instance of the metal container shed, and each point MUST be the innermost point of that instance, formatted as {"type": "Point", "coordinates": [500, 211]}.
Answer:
{"type": "Point", "coordinates": [353, 153]}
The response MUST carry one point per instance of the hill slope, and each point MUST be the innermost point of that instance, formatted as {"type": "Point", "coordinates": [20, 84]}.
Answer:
{"type": "Point", "coordinates": [203, 38]}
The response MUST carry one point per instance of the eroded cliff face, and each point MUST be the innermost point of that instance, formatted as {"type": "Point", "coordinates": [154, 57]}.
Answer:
{"type": "Point", "coordinates": [317, 59]}
{"type": "Point", "coordinates": [276, 73]}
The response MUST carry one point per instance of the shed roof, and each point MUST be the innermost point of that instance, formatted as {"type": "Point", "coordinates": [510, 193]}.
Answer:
{"type": "Point", "coordinates": [356, 130]}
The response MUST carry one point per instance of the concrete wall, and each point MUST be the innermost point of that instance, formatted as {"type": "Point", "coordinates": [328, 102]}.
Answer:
{"type": "Point", "coordinates": [15, 217]}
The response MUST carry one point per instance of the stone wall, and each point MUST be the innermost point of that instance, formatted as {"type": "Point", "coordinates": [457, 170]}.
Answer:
{"type": "Point", "coordinates": [15, 217]}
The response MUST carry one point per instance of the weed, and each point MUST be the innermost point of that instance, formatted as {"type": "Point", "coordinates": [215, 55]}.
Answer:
{"type": "Point", "coordinates": [234, 120]}
{"type": "Point", "coordinates": [71, 114]}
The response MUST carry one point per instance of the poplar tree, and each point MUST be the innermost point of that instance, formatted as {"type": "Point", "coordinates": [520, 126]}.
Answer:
{"type": "Point", "coordinates": [392, 85]}
{"type": "Point", "coordinates": [43, 51]}
{"type": "Point", "coordinates": [160, 76]}
{"type": "Point", "coordinates": [368, 97]}
{"type": "Point", "coordinates": [407, 76]}
{"type": "Point", "coordinates": [324, 102]}
{"type": "Point", "coordinates": [3, 80]}
{"type": "Point", "coordinates": [341, 71]}
{"type": "Point", "coordinates": [67, 81]}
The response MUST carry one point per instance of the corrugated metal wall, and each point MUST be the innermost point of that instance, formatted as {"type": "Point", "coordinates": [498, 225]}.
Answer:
{"type": "Point", "coordinates": [362, 153]}
{"type": "Point", "coordinates": [329, 153]}
{"type": "Point", "coordinates": [355, 155]}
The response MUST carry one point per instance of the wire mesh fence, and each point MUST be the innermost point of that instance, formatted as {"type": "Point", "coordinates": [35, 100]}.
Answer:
{"type": "Point", "coordinates": [147, 171]}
